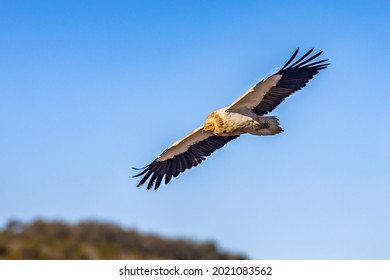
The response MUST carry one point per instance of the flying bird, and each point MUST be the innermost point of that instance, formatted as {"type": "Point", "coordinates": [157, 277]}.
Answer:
{"type": "Point", "coordinates": [245, 115]}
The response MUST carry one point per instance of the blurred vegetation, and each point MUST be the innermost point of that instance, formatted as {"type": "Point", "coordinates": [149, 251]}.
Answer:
{"type": "Point", "coordinates": [57, 240]}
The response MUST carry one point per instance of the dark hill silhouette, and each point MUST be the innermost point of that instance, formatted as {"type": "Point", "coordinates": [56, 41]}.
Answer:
{"type": "Point", "coordinates": [96, 240]}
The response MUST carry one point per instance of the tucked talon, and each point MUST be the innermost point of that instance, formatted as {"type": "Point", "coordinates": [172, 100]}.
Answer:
{"type": "Point", "coordinates": [264, 125]}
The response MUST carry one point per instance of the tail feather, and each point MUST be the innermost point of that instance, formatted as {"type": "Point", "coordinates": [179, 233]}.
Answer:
{"type": "Point", "coordinates": [268, 126]}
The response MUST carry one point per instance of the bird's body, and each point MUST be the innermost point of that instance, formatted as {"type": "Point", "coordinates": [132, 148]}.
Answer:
{"type": "Point", "coordinates": [245, 115]}
{"type": "Point", "coordinates": [227, 123]}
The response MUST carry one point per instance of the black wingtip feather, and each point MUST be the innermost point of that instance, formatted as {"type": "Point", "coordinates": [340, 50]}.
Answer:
{"type": "Point", "coordinates": [142, 168]}
{"type": "Point", "coordinates": [141, 173]}
{"type": "Point", "coordinates": [143, 180]}
{"type": "Point", "coordinates": [158, 181]}
{"type": "Point", "coordinates": [291, 58]}
{"type": "Point", "coordinates": [316, 63]}
{"type": "Point", "coordinates": [152, 180]}
{"type": "Point", "coordinates": [322, 66]}
{"type": "Point", "coordinates": [301, 62]}
{"type": "Point", "coordinates": [303, 57]}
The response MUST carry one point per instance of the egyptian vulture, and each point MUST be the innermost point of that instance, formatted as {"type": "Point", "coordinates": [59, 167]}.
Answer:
{"type": "Point", "coordinates": [245, 115]}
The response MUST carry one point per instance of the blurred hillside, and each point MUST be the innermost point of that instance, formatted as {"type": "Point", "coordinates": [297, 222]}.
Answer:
{"type": "Point", "coordinates": [95, 240]}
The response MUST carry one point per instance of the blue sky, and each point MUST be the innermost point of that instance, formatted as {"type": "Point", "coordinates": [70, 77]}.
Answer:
{"type": "Point", "coordinates": [89, 89]}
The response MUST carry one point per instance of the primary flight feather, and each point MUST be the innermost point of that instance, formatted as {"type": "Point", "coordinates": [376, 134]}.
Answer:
{"type": "Point", "coordinates": [245, 115]}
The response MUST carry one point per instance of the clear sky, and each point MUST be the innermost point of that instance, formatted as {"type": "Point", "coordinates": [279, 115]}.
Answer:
{"type": "Point", "coordinates": [89, 89]}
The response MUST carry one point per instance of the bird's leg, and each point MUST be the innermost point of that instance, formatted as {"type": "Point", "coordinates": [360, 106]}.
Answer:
{"type": "Point", "coordinates": [264, 124]}
{"type": "Point", "coordinates": [261, 125]}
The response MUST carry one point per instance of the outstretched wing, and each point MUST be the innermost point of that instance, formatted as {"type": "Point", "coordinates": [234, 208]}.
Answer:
{"type": "Point", "coordinates": [270, 92]}
{"type": "Point", "coordinates": [182, 155]}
